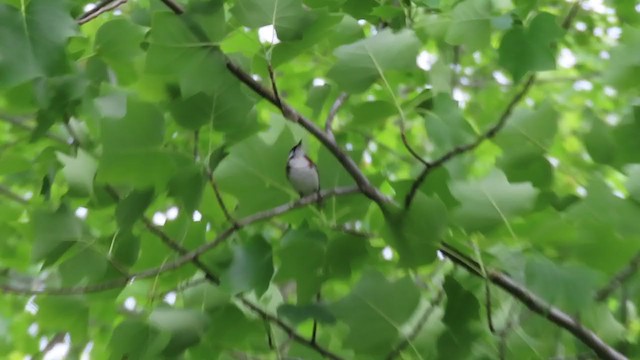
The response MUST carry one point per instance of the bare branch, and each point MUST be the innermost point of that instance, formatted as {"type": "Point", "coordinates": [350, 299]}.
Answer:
{"type": "Point", "coordinates": [19, 123]}
{"type": "Point", "coordinates": [274, 89]}
{"type": "Point", "coordinates": [188, 256]}
{"type": "Point", "coordinates": [413, 153]}
{"type": "Point", "coordinates": [568, 20]}
{"type": "Point", "coordinates": [289, 331]}
{"type": "Point", "coordinates": [536, 304]}
{"type": "Point", "coordinates": [566, 23]}
{"type": "Point", "coordinates": [361, 180]}
{"type": "Point", "coordinates": [223, 207]}
{"type": "Point", "coordinates": [490, 133]}
{"type": "Point", "coordinates": [620, 278]}
{"type": "Point", "coordinates": [6, 192]}
{"type": "Point", "coordinates": [174, 6]}
{"type": "Point", "coordinates": [328, 125]}
{"type": "Point", "coordinates": [100, 8]}
{"type": "Point", "coordinates": [196, 145]}
{"type": "Point", "coordinates": [419, 325]}
{"type": "Point", "coordinates": [57, 338]}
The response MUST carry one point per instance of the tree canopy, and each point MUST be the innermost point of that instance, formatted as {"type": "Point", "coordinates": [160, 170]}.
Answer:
{"type": "Point", "coordinates": [479, 164]}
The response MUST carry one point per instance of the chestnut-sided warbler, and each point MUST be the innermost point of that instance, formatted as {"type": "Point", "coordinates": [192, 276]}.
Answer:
{"type": "Point", "coordinates": [302, 172]}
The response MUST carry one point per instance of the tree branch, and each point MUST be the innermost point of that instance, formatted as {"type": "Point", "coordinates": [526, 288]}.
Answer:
{"type": "Point", "coordinates": [328, 125]}
{"type": "Point", "coordinates": [20, 124]}
{"type": "Point", "coordinates": [100, 8]}
{"type": "Point", "coordinates": [620, 278]}
{"type": "Point", "coordinates": [174, 6]}
{"type": "Point", "coordinates": [6, 192]}
{"type": "Point", "coordinates": [566, 23]}
{"type": "Point", "coordinates": [187, 257]}
{"type": "Point", "coordinates": [291, 114]}
{"type": "Point", "coordinates": [219, 199]}
{"type": "Point", "coordinates": [536, 304]}
{"type": "Point", "coordinates": [192, 257]}
{"type": "Point", "coordinates": [413, 153]}
{"type": "Point", "coordinates": [490, 133]}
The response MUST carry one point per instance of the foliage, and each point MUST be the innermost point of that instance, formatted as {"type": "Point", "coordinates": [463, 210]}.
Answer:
{"type": "Point", "coordinates": [478, 158]}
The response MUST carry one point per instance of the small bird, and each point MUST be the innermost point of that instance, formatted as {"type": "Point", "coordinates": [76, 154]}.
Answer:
{"type": "Point", "coordinates": [302, 172]}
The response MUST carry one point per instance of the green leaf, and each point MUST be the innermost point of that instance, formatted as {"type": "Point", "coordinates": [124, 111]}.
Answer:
{"type": "Point", "coordinates": [470, 24]}
{"type": "Point", "coordinates": [79, 172]}
{"type": "Point", "coordinates": [216, 157]}
{"type": "Point", "coordinates": [446, 125]}
{"type": "Point", "coordinates": [135, 339]}
{"type": "Point", "coordinates": [33, 38]}
{"type": "Point", "coordinates": [93, 265]}
{"type": "Point", "coordinates": [64, 314]}
{"type": "Point", "coordinates": [633, 181]}
{"type": "Point", "coordinates": [416, 234]}
{"type": "Point", "coordinates": [187, 187]}
{"type": "Point", "coordinates": [231, 329]}
{"type": "Point", "coordinates": [370, 115]}
{"type": "Point", "coordinates": [118, 40]}
{"type": "Point", "coordinates": [618, 224]}
{"type": "Point", "coordinates": [54, 233]}
{"type": "Point", "coordinates": [131, 151]}
{"type": "Point", "coordinates": [523, 50]}
{"type": "Point", "coordinates": [288, 16]}
{"type": "Point", "coordinates": [176, 52]}
{"type": "Point", "coordinates": [375, 310]}
{"type": "Point", "coordinates": [525, 140]}
{"type": "Point", "coordinates": [186, 328]}
{"type": "Point", "coordinates": [126, 248]}
{"type": "Point", "coordinates": [251, 268]}
{"type": "Point", "coordinates": [492, 201]}
{"type": "Point", "coordinates": [302, 255]}
{"type": "Point", "coordinates": [570, 287]}
{"type": "Point", "coordinates": [359, 64]}
{"type": "Point", "coordinates": [132, 207]}
{"type": "Point", "coordinates": [624, 66]}
{"type": "Point", "coordinates": [460, 313]}
{"type": "Point", "coordinates": [344, 253]}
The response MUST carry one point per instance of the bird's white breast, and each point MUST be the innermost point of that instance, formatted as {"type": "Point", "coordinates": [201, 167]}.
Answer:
{"type": "Point", "coordinates": [303, 177]}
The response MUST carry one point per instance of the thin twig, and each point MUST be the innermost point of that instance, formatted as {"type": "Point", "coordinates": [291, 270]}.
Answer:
{"type": "Point", "coordinates": [223, 207]}
{"type": "Point", "coordinates": [419, 325]}
{"type": "Point", "coordinates": [568, 20]}
{"type": "Point", "coordinates": [19, 123]}
{"type": "Point", "coordinates": [620, 278]}
{"type": "Point", "coordinates": [174, 6]}
{"type": "Point", "coordinates": [57, 338]}
{"type": "Point", "coordinates": [182, 287]}
{"type": "Point", "coordinates": [566, 23]}
{"type": "Point", "coordinates": [6, 192]}
{"type": "Point", "coordinates": [100, 8]}
{"type": "Point", "coordinates": [328, 124]}
{"type": "Point", "coordinates": [187, 257]}
{"type": "Point", "coordinates": [196, 145]}
{"type": "Point", "coordinates": [408, 147]}
{"type": "Point", "coordinates": [487, 288]}
{"type": "Point", "coordinates": [490, 133]}
{"type": "Point", "coordinates": [536, 304]}
{"type": "Point", "coordinates": [274, 88]}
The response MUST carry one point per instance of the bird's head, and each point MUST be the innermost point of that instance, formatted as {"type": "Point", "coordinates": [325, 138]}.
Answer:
{"type": "Point", "coordinates": [296, 151]}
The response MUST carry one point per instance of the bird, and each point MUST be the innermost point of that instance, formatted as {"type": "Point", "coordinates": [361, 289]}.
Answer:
{"type": "Point", "coordinates": [302, 172]}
